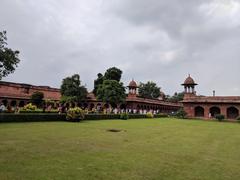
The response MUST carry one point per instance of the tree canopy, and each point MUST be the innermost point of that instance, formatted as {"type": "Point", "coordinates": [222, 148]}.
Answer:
{"type": "Point", "coordinates": [108, 87]}
{"type": "Point", "coordinates": [113, 74]}
{"type": "Point", "coordinates": [112, 92]}
{"type": "Point", "coordinates": [149, 90]}
{"type": "Point", "coordinates": [37, 98]}
{"type": "Point", "coordinates": [8, 57]}
{"type": "Point", "coordinates": [176, 97]}
{"type": "Point", "coordinates": [98, 82]}
{"type": "Point", "coordinates": [71, 89]}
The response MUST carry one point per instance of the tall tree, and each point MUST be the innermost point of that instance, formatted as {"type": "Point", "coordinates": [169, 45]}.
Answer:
{"type": "Point", "coordinates": [176, 97]}
{"type": "Point", "coordinates": [98, 82]}
{"type": "Point", "coordinates": [8, 57]}
{"type": "Point", "coordinates": [72, 90]}
{"type": "Point", "coordinates": [37, 98]}
{"type": "Point", "coordinates": [112, 92]}
{"type": "Point", "coordinates": [113, 74]}
{"type": "Point", "coordinates": [149, 90]}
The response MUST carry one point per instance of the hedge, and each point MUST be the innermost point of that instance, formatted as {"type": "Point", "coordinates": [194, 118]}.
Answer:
{"type": "Point", "coordinates": [160, 115]}
{"type": "Point", "coordinates": [37, 111]}
{"type": "Point", "coordinates": [101, 116]}
{"type": "Point", "coordinates": [44, 117]}
{"type": "Point", "coordinates": [36, 117]}
{"type": "Point", "coordinates": [136, 116]}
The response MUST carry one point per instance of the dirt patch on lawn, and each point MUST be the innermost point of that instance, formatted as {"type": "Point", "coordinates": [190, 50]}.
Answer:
{"type": "Point", "coordinates": [116, 130]}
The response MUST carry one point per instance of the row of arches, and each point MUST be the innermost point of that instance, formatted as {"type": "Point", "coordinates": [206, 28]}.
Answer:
{"type": "Point", "coordinates": [232, 112]}
{"type": "Point", "coordinates": [13, 103]}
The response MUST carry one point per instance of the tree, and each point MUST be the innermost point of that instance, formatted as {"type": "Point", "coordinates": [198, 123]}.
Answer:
{"type": "Point", "coordinates": [8, 57]}
{"type": "Point", "coordinates": [112, 92]}
{"type": "Point", "coordinates": [113, 74]}
{"type": "Point", "coordinates": [98, 82]}
{"type": "Point", "coordinates": [181, 113]}
{"type": "Point", "coordinates": [37, 98]}
{"type": "Point", "coordinates": [149, 90]}
{"type": "Point", "coordinates": [177, 97]}
{"type": "Point", "coordinates": [71, 89]}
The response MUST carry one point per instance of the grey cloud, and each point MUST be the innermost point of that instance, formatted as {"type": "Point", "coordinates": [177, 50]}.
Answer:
{"type": "Point", "coordinates": [154, 40]}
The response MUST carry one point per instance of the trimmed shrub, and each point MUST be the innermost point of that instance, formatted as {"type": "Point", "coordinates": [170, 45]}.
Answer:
{"type": "Point", "coordinates": [75, 114]}
{"type": "Point", "coordinates": [160, 115]}
{"type": "Point", "coordinates": [38, 111]}
{"type": "Point", "coordinates": [36, 117]}
{"type": "Point", "coordinates": [238, 118]}
{"type": "Point", "coordinates": [29, 107]}
{"type": "Point", "coordinates": [124, 116]}
{"type": "Point", "coordinates": [136, 116]}
{"type": "Point", "coordinates": [101, 116]}
{"type": "Point", "coordinates": [220, 117]}
{"type": "Point", "coordinates": [181, 114]}
{"type": "Point", "coordinates": [149, 115]}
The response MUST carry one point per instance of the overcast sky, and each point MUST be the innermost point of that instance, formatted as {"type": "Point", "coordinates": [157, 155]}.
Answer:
{"type": "Point", "coordinates": [156, 40]}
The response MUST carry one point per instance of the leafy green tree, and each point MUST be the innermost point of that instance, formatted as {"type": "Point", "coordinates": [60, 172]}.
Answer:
{"type": "Point", "coordinates": [98, 82]}
{"type": "Point", "coordinates": [37, 98]}
{"type": "Point", "coordinates": [71, 89]}
{"type": "Point", "coordinates": [112, 92]}
{"type": "Point", "coordinates": [177, 97]}
{"type": "Point", "coordinates": [113, 74]}
{"type": "Point", "coordinates": [149, 90]}
{"type": "Point", "coordinates": [181, 114]}
{"type": "Point", "coordinates": [8, 57]}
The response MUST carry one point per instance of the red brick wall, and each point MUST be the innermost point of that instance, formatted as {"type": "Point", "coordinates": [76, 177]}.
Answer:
{"type": "Point", "coordinates": [22, 91]}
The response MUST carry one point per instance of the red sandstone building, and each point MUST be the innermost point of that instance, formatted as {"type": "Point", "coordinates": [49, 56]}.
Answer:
{"type": "Point", "coordinates": [16, 94]}
{"type": "Point", "coordinates": [208, 106]}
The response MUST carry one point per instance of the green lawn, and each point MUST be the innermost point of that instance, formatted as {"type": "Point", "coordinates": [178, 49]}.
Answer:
{"type": "Point", "coordinates": [145, 149]}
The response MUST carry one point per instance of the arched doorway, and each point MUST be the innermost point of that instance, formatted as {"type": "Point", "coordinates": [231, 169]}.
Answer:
{"type": "Point", "coordinates": [21, 104]}
{"type": "Point", "coordinates": [13, 103]}
{"type": "Point", "coordinates": [106, 106]}
{"type": "Point", "coordinates": [92, 106]}
{"type": "Point", "coordinates": [232, 113]}
{"type": "Point", "coordinates": [123, 106]}
{"type": "Point", "coordinates": [5, 102]}
{"type": "Point", "coordinates": [199, 111]}
{"type": "Point", "coordinates": [215, 111]}
{"type": "Point", "coordinates": [85, 105]}
{"type": "Point", "coordinates": [114, 106]}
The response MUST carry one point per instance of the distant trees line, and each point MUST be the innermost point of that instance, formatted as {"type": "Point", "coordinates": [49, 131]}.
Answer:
{"type": "Point", "coordinates": [108, 88]}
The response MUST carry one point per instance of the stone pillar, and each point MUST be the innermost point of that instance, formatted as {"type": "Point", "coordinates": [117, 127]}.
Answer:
{"type": "Point", "coordinates": [206, 112]}
{"type": "Point", "coordinates": [223, 109]}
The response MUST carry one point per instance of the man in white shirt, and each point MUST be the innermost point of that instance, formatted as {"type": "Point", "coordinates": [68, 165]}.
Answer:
{"type": "Point", "coordinates": [2, 107]}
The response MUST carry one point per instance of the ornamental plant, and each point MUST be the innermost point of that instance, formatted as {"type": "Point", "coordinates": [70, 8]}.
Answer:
{"type": "Point", "coordinates": [181, 114]}
{"type": "Point", "coordinates": [30, 107]}
{"type": "Point", "coordinates": [220, 117]}
{"type": "Point", "coordinates": [75, 114]}
{"type": "Point", "coordinates": [124, 116]}
{"type": "Point", "coordinates": [149, 115]}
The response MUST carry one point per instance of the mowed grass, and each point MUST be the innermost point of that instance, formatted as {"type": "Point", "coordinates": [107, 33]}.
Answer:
{"type": "Point", "coordinates": [146, 149]}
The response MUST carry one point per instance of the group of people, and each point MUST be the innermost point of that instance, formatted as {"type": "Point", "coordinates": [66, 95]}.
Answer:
{"type": "Point", "coordinates": [127, 110]}
{"type": "Point", "coordinates": [62, 108]}
{"type": "Point", "coordinates": [4, 108]}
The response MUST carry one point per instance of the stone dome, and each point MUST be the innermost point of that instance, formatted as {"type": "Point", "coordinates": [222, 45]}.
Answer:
{"type": "Point", "coordinates": [189, 81]}
{"type": "Point", "coordinates": [132, 84]}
